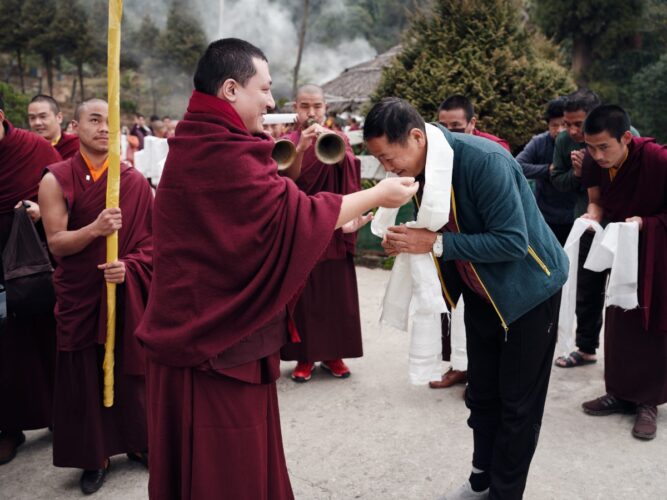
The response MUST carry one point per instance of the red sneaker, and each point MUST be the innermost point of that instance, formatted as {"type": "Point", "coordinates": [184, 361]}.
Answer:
{"type": "Point", "coordinates": [337, 368]}
{"type": "Point", "coordinates": [303, 371]}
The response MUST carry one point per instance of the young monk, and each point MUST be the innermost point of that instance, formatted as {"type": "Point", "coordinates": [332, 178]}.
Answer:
{"type": "Point", "coordinates": [234, 243]}
{"type": "Point", "coordinates": [72, 196]}
{"type": "Point", "coordinates": [626, 177]}
{"type": "Point", "coordinates": [327, 315]}
{"type": "Point", "coordinates": [45, 119]}
{"type": "Point", "coordinates": [27, 347]}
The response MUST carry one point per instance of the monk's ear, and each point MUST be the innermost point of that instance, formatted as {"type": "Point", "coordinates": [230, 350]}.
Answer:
{"type": "Point", "coordinates": [228, 90]}
{"type": "Point", "coordinates": [59, 117]}
{"type": "Point", "coordinates": [626, 138]}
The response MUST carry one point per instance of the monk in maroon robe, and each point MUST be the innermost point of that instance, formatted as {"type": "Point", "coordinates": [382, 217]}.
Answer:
{"type": "Point", "coordinates": [626, 178]}
{"type": "Point", "coordinates": [73, 196]}
{"type": "Point", "coordinates": [457, 114]}
{"type": "Point", "coordinates": [327, 314]}
{"type": "Point", "coordinates": [27, 344]}
{"type": "Point", "coordinates": [234, 243]}
{"type": "Point", "coordinates": [45, 119]}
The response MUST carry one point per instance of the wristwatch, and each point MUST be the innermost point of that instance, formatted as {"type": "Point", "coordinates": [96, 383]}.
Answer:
{"type": "Point", "coordinates": [437, 246]}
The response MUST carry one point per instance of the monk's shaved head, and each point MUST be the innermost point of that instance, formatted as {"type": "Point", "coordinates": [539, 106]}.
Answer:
{"type": "Point", "coordinates": [81, 108]}
{"type": "Point", "coordinates": [310, 89]}
{"type": "Point", "coordinates": [53, 104]}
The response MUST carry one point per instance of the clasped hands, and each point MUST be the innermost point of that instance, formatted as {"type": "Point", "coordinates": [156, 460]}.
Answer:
{"type": "Point", "coordinates": [404, 239]}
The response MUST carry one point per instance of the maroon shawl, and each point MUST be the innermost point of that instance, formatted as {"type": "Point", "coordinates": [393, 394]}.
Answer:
{"type": "Point", "coordinates": [640, 189]}
{"type": "Point", "coordinates": [68, 145]}
{"type": "Point", "coordinates": [234, 240]}
{"type": "Point", "coordinates": [342, 178]}
{"type": "Point", "coordinates": [80, 287]}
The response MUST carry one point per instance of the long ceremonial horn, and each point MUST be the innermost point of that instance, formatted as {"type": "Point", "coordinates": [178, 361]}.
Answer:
{"type": "Point", "coordinates": [329, 146]}
{"type": "Point", "coordinates": [284, 152]}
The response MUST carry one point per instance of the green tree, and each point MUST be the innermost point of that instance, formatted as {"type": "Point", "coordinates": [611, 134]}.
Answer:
{"type": "Point", "coordinates": [183, 40]}
{"type": "Point", "coordinates": [37, 23]}
{"type": "Point", "coordinates": [594, 29]}
{"type": "Point", "coordinates": [649, 95]}
{"type": "Point", "coordinates": [14, 38]}
{"type": "Point", "coordinates": [144, 43]}
{"type": "Point", "coordinates": [75, 39]}
{"type": "Point", "coordinates": [477, 48]}
{"type": "Point", "coordinates": [16, 105]}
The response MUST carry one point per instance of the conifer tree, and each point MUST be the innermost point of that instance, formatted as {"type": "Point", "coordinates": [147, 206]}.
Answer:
{"type": "Point", "coordinates": [477, 48]}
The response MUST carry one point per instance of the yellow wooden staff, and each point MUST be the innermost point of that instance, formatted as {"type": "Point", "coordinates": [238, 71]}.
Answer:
{"type": "Point", "coordinates": [113, 185]}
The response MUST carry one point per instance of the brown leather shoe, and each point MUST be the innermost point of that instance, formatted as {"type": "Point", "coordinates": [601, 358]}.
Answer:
{"type": "Point", "coordinates": [646, 425]}
{"type": "Point", "coordinates": [9, 442]}
{"type": "Point", "coordinates": [607, 405]}
{"type": "Point", "coordinates": [450, 378]}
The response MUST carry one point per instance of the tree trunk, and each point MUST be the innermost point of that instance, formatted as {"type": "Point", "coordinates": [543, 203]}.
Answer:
{"type": "Point", "coordinates": [48, 64]}
{"type": "Point", "coordinates": [302, 39]}
{"type": "Point", "coordinates": [73, 93]}
{"type": "Point", "coordinates": [79, 68]}
{"type": "Point", "coordinates": [19, 60]}
{"type": "Point", "coordinates": [582, 57]}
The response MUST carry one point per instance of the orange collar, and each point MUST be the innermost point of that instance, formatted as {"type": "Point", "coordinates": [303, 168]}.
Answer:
{"type": "Point", "coordinates": [53, 143]}
{"type": "Point", "coordinates": [95, 173]}
{"type": "Point", "coordinates": [614, 170]}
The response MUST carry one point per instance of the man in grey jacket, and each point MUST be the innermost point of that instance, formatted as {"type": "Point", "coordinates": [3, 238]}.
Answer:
{"type": "Point", "coordinates": [498, 253]}
{"type": "Point", "coordinates": [536, 160]}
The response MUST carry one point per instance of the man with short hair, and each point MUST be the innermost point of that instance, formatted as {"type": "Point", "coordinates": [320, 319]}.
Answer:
{"type": "Point", "coordinates": [72, 195]}
{"type": "Point", "coordinates": [235, 243]}
{"type": "Point", "coordinates": [457, 114]}
{"type": "Point", "coordinates": [27, 347]}
{"type": "Point", "coordinates": [626, 178]}
{"type": "Point", "coordinates": [497, 251]}
{"type": "Point", "coordinates": [565, 175]}
{"type": "Point", "coordinates": [140, 130]}
{"type": "Point", "coordinates": [536, 160]}
{"type": "Point", "coordinates": [327, 314]}
{"type": "Point", "coordinates": [45, 119]}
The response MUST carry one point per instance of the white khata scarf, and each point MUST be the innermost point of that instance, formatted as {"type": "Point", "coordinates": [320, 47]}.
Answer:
{"type": "Point", "coordinates": [414, 287]}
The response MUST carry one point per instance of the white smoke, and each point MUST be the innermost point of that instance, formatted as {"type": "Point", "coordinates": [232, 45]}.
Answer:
{"type": "Point", "coordinates": [271, 27]}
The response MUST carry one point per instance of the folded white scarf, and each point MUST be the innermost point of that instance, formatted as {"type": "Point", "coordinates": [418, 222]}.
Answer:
{"type": "Point", "coordinates": [616, 247]}
{"type": "Point", "coordinates": [414, 285]}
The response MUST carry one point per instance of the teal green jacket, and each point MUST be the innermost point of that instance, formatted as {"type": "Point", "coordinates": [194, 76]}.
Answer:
{"type": "Point", "coordinates": [501, 231]}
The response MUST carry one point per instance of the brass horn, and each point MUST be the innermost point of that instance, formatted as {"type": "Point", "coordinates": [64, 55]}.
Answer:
{"type": "Point", "coordinates": [284, 152]}
{"type": "Point", "coordinates": [329, 146]}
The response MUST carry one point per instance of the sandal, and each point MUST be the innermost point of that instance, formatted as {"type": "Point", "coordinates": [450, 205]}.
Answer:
{"type": "Point", "coordinates": [573, 359]}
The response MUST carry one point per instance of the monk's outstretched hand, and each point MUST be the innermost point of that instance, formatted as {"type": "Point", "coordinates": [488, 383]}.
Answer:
{"type": "Point", "coordinates": [114, 272]}
{"type": "Point", "coordinates": [109, 221]}
{"type": "Point", "coordinates": [355, 224]}
{"type": "Point", "coordinates": [395, 192]}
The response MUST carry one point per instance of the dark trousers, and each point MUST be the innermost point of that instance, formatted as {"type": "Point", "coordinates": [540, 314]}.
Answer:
{"type": "Point", "coordinates": [590, 300]}
{"type": "Point", "coordinates": [561, 231]}
{"type": "Point", "coordinates": [508, 377]}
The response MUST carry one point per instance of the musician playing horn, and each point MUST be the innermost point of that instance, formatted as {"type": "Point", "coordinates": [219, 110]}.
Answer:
{"type": "Point", "coordinates": [327, 314]}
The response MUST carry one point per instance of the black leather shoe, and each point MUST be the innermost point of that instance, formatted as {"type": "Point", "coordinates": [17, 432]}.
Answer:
{"type": "Point", "coordinates": [92, 480]}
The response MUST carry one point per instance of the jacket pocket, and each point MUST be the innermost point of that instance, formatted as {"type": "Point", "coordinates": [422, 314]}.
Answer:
{"type": "Point", "coordinates": [539, 261]}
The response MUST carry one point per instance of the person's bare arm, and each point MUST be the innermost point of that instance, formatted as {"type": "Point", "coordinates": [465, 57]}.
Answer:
{"type": "Point", "coordinates": [389, 193]}
{"type": "Point", "coordinates": [594, 210]}
{"type": "Point", "coordinates": [55, 218]}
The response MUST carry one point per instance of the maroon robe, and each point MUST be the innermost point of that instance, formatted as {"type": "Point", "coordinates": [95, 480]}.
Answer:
{"type": "Point", "coordinates": [27, 345]}
{"type": "Point", "coordinates": [84, 432]}
{"type": "Point", "coordinates": [68, 145]}
{"type": "Point", "coordinates": [234, 245]}
{"type": "Point", "coordinates": [327, 313]}
{"type": "Point", "coordinates": [636, 340]}
{"type": "Point", "coordinates": [491, 137]}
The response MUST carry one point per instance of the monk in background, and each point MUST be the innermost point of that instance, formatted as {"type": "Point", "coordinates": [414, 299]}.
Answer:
{"type": "Point", "coordinates": [45, 119]}
{"type": "Point", "coordinates": [27, 344]}
{"type": "Point", "coordinates": [72, 195]}
{"type": "Point", "coordinates": [234, 244]}
{"type": "Point", "coordinates": [626, 177]}
{"type": "Point", "coordinates": [327, 314]}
